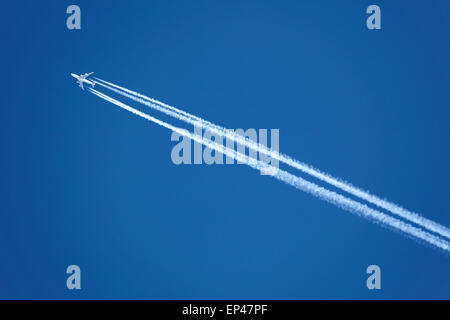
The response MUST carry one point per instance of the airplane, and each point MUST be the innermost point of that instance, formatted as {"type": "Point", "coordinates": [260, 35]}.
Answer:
{"type": "Point", "coordinates": [82, 79]}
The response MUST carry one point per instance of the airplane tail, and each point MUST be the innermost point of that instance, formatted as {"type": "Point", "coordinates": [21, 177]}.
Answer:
{"type": "Point", "coordinates": [93, 84]}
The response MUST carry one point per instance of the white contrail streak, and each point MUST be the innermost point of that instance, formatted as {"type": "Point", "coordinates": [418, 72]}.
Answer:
{"type": "Point", "coordinates": [230, 134]}
{"type": "Point", "coordinates": [299, 183]}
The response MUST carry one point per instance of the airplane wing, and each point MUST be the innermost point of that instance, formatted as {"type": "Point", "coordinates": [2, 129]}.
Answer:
{"type": "Point", "coordinates": [84, 76]}
{"type": "Point", "coordinates": [81, 84]}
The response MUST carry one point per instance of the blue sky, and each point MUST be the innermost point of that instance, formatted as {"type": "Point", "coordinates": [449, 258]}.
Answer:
{"type": "Point", "coordinates": [86, 183]}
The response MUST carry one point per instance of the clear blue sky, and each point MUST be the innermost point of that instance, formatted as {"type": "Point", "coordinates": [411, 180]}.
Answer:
{"type": "Point", "coordinates": [85, 183]}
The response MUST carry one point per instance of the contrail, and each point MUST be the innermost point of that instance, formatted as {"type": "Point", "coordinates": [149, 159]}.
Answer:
{"type": "Point", "coordinates": [230, 134]}
{"type": "Point", "coordinates": [299, 183]}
